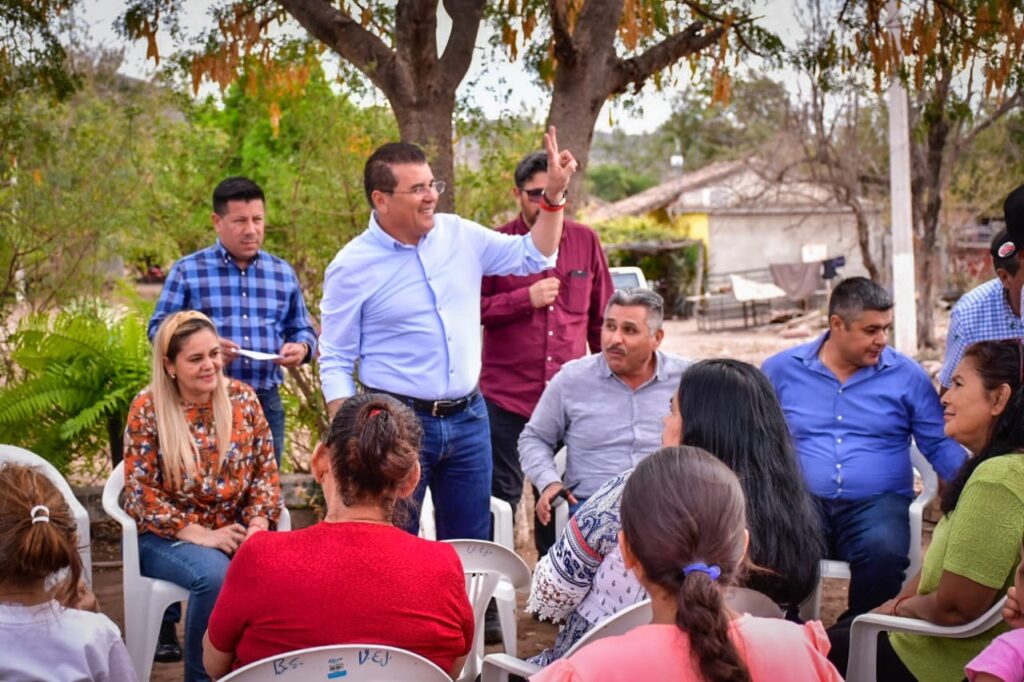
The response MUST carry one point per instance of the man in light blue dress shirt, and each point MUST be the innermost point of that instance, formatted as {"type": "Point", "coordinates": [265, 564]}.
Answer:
{"type": "Point", "coordinates": [401, 307]}
{"type": "Point", "coordinates": [608, 408]}
{"type": "Point", "coordinates": [852, 404]}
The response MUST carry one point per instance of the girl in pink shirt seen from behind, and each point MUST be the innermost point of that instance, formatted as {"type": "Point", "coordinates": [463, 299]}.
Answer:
{"type": "Point", "coordinates": [684, 536]}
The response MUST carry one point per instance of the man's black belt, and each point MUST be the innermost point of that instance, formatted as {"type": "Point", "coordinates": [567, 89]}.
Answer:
{"type": "Point", "coordinates": [435, 408]}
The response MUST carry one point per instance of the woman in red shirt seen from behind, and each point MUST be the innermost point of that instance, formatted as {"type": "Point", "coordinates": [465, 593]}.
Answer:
{"type": "Point", "coordinates": [684, 535]}
{"type": "Point", "coordinates": [355, 577]}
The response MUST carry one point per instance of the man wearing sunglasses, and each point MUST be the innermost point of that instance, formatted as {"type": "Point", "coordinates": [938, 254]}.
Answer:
{"type": "Point", "coordinates": [401, 307]}
{"type": "Point", "coordinates": [533, 325]}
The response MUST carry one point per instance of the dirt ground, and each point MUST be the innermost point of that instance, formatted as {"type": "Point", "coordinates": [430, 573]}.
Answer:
{"type": "Point", "coordinates": [681, 337]}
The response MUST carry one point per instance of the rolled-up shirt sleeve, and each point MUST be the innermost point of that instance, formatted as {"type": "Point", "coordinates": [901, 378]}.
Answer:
{"type": "Point", "coordinates": [545, 429]}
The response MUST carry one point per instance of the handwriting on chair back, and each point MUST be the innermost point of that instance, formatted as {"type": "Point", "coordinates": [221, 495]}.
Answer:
{"type": "Point", "coordinates": [336, 665]}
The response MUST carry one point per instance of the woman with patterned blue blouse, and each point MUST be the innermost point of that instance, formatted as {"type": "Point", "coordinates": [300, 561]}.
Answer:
{"type": "Point", "coordinates": [728, 408]}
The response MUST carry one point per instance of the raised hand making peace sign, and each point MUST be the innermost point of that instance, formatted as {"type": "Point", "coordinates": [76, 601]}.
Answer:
{"type": "Point", "coordinates": [561, 166]}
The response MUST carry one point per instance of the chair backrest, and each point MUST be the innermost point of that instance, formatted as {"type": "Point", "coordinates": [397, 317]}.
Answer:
{"type": "Point", "coordinates": [619, 624]}
{"type": "Point", "coordinates": [485, 563]}
{"type": "Point", "coordinates": [358, 662]}
{"type": "Point", "coordinates": [929, 489]}
{"type": "Point", "coordinates": [746, 600]}
{"type": "Point", "coordinates": [16, 455]}
{"type": "Point", "coordinates": [501, 517]}
{"type": "Point", "coordinates": [130, 531]}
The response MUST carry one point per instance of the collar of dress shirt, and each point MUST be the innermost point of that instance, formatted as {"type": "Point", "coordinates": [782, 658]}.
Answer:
{"type": "Point", "coordinates": [226, 257]}
{"type": "Point", "coordinates": [812, 356]}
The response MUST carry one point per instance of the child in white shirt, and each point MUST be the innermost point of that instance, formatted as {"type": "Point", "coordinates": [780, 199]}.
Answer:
{"type": "Point", "coordinates": [42, 636]}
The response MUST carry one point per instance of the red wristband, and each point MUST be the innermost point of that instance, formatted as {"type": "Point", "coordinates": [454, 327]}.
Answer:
{"type": "Point", "coordinates": [899, 601]}
{"type": "Point", "coordinates": [546, 205]}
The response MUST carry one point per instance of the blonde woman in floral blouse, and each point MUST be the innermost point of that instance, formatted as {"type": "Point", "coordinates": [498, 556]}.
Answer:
{"type": "Point", "coordinates": [196, 496]}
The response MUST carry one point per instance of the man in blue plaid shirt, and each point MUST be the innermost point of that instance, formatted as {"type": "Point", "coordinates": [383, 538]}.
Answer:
{"type": "Point", "coordinates": [252, 297]}
{"type": "Point", "coordinates": [991, 311]}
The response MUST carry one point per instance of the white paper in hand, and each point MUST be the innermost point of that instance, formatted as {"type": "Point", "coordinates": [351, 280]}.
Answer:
{"type": "Point", "coordinates": [257, 355]}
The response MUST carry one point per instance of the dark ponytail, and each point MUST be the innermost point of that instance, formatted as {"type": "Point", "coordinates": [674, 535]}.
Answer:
{"type": "Point", "coordinates": [683, 517]}
{"type": "Point", "coordinates": [374, 443]}
{"type": "Point", "coordinates": [32, 551]}
{"type": "Point", "coordinates": [997, 363]}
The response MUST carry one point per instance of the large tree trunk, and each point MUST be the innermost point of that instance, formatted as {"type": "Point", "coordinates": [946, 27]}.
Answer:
{"type": "Point", "coordinates": [589, 70]}
{"type": "Point", "coordinates": [574, 113]}
{"type": "Point", "coordinates": [419, 84]}
{"type": "Point", "coordinates": [928, 184]}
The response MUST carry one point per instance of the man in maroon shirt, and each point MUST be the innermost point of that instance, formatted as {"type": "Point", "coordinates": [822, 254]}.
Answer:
{"type": "Point", "coordinates": [532, 326]}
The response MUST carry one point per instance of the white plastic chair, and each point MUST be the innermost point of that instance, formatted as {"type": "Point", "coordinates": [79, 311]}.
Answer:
{"type": "Point", "coordinates": [562, 510]}
{"type": "Point", "coordinates": [505, 595]}
{"type": "Point", "coordinates": [145, 599]}
{"type": "Point", "coordinates": [841, 570]}
{"type": "Point", "coordinates": [358, 662]}
{"type": "Point", "coordinates": [498, 667]}
{"type": "Point", "coordinates": [16, 455]}
{"type": "Point", "coordinates": [865, 629]}
{"type": "Point", "coordinates": [486, 564]}
{"type": "Point", "coordinates": [746, 600]}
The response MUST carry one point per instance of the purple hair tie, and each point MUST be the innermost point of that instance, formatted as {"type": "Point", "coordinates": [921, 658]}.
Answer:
{"type": "Point", "coordinates": [713, 571]}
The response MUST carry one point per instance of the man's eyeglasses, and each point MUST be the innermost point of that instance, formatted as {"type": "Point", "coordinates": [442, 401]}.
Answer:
{"type": "Point", "coordinates": [419, 190]}
{"type": "Point", "coordinates": [533, 195]}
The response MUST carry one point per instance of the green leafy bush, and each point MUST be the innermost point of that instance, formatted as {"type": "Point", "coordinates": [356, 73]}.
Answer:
{"type": "Point", "coordinates": [77, 372]}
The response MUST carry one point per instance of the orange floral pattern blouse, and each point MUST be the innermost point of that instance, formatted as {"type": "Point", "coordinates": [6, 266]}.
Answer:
{"type": "Point", "coordinates": [245, 488]}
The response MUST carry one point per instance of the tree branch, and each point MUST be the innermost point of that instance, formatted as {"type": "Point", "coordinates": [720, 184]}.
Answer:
{"type": "Point", "coordinates": [670, 50]}
{"type": "Point", "coordinates": [347, 37]}
{"type": "Point", "coordinates": [1014, 100]}
{"type": "Point", "coordinates": [565, 46]}
{"type": "Point", "coordinates": [458, 53]}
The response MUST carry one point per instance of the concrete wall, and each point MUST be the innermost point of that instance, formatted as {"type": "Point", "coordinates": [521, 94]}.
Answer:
{"type": "Point", "coordinates": [745, 240]}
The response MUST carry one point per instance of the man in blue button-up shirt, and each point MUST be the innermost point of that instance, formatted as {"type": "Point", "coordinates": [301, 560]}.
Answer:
{"type": "Point", "coordinates": [853, 404]}
{"type": "Point", "coordinates": [252, 297]}
{"type": "Point", "coordinates": [402, 303]}
{"type": "Point", "coordinates": [991, 311]}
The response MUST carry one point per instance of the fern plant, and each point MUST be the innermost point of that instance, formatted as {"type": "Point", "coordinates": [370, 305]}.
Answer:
{"type": "Point", "coordinates": [78, 371]}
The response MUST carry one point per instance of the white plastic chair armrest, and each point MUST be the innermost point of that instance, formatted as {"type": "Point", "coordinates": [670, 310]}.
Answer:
{"type": "Point", "coordinates": [865, 629]}
{"type": "Point", "coordinates": [497, 668]}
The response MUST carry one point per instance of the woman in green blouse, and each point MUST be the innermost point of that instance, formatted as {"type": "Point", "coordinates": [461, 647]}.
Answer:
{"type": "Point", "coordinates": [976, 546]}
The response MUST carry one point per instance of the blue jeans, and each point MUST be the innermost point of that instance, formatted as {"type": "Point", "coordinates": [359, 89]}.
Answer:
{"type": "Point", "coordinates": [198, 569]}
{"type": "Point", "coordinates": [455, 461]}
{"type": "Point", "coordinates": [273, 410]}
{"type": "Point", "coordinates": [873, 536]}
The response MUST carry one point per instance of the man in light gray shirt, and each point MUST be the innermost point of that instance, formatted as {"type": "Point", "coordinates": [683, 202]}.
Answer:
{"type": "Point", "coordinates": [607, 408]}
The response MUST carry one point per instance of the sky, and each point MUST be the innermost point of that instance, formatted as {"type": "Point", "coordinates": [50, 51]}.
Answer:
{"type": "Point", "coordinates": [485, 87]}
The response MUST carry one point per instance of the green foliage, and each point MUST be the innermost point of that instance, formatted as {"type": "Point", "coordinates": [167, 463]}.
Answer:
{"type": "Point", "coordinates": [634, 229]}
{"type": "Point", "coordinates": [671, 273]}
{"type": "Point", "coordinates": [485, 189]}
{"type": "Point", "coordinates": [613, 181]}
{"type": "Point", "coordinates": [704, 131]}
{"type": "Point", "coordinates": [31, 54]}
{"type": "Point", "coordinates": [306, 147]}
{"type": "Point", "coordinates": [78, 373]}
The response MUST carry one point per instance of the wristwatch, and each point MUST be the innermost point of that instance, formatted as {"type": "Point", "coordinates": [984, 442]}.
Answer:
{"type": "Point", "coordinates": [553, 204]}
